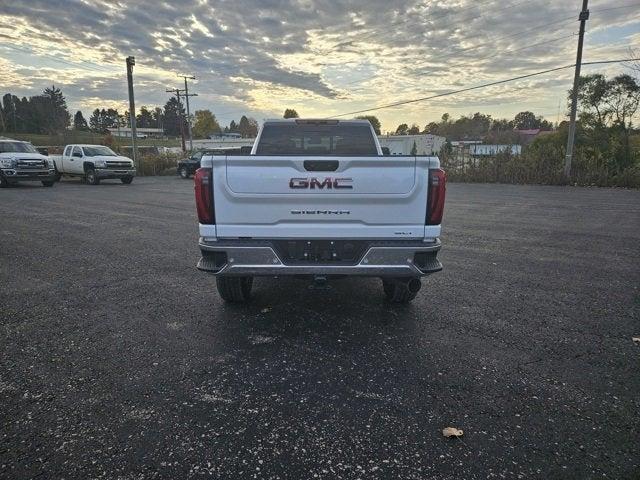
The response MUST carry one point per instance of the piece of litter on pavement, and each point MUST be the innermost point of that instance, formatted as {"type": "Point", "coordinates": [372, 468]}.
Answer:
{"type": "Point", "coordinates": [635, 339]}
{"type": "Point", "coordinates": [452, 432]}
{"type": "Point", "coordinates": [265, 310]}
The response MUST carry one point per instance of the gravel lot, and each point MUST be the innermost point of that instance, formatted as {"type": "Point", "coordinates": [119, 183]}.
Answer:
{"type": "Point", "coordinates": [120, 361]}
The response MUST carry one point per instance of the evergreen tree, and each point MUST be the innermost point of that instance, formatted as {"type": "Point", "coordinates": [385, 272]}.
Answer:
{"type": "Point", "coordinates": [79, 123]}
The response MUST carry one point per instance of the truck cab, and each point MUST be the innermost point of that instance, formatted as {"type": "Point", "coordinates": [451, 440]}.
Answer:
{"type": "Point", "coordinates": [20, 161]}
{"type": "Point", "coordinates": [94, 163]}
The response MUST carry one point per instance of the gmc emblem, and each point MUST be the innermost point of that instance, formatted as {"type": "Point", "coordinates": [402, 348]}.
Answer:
{"type": "Point", "coordinates": [327, 182]}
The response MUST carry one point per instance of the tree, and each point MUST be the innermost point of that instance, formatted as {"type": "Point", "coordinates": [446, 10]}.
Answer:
{"type": "Point", "coordinates": [432, 127]}
{"type": "Point", "coordinates": [375, 123]}
{"type": "Point", "coordinates": [205, 124]}
{"type": "Point", "coordinates": [173, 115]}
{"type": "Point", "coordinates": [525, 121]}
{"type": "Point", "coordinates": [402, 129]}
{"type": "Point", "coordinates": [248, 127]}
{"type": "Point", "coordinates": [233, 127]}
{"type": "Point", "coordinates": [96, 121]}
{"type": "Point", "coordinates": [144, 119]}
{"type": "Point", "coordinates": [414, 130]}
{"type": "Point", "coordinates": [528, 121]}
{"type": "Point", "coordinates": [56, 116]}
{"type": "Point", "coordinates": [79, 123]}
{"type": "Point", "coordinates": [158, 117]}
{"type": "Point", "coordinates": [606, 109]}
{"type": "Point", "coordinates": [290, 113]}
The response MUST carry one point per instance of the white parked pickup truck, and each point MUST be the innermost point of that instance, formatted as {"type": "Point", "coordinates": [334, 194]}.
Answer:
{"type": "Point", "coordinates": [318, 199]}
{"type": "Point", "coordinates": [93, 163]}
{"type": "Point", "coordinates": [20, 161]}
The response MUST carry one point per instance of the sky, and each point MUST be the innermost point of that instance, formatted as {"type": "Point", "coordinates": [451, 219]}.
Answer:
{"type": "Point", "coordinates": [323, 58]}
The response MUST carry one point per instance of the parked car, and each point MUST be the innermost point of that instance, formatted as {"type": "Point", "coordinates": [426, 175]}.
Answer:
{"type": "Point", "coordinates": [20, 161]}
{"type": "Point", "coordinates": [319, 199]}
{"type": "Point", "coordinates": [94, 163]}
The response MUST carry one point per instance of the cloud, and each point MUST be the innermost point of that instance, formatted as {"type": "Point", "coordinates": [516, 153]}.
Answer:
{"type": "Point", "coordinates": [321, 57]}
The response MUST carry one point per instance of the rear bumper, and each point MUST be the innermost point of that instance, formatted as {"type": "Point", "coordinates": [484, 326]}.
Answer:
{"type": "Point", "coordinates": [106, 173]}
{"type": "Point", "coordinates": [260, 258]}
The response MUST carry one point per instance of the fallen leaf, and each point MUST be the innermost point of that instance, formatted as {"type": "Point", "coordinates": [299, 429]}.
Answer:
{"type": "Point", "coordinates": [452, 432]}
{"type": "Point", "coordinates": [636, 339]}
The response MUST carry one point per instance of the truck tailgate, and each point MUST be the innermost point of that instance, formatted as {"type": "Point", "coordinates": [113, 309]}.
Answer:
{"type": "Point", "coordinates": [320, 197]}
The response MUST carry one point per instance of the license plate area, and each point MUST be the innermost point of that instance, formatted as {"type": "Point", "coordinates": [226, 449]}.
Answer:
{"type": "Point", "coordinates": [320, 252]}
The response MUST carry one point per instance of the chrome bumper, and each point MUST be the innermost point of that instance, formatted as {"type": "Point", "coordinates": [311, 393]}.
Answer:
{"type": "Point", "coordinates": [259, 258]}
{"type": "Point", "coordinates": [15, 175]}
{"type": "Point", "coordinates": [115, 172]}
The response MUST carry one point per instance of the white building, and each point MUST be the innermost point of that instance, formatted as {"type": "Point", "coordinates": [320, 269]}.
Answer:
{"type": "Point", "coordinates": [125, 132]}
{"type": "Point", "coordinates": [492, 150]}
{"type": "Point", "coordinates": [425, 144]}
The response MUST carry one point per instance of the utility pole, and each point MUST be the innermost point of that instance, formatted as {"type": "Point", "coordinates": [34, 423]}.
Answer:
{"type": "Point", "coordinates": [584, 15]}
{"type": "Point", "coordinates": [186, 95]}
{"type": "Point", "coordinates": [180, 119]}
{"type": "Point", "coordinates": [131, 61]}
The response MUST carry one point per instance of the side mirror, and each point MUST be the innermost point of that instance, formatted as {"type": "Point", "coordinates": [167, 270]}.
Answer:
{"type": "Point", "coordinates": [386, 151]}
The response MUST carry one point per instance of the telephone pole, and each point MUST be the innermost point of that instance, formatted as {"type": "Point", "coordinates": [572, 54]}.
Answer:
{"type": "Point", "coordinates": [584, 15]}
{"type": "Point", "coordinates": [180, 119]}
{"type": "Point", "coordinates": [131, 61]}
{"type": "Point", "coordinates": [187, 95]}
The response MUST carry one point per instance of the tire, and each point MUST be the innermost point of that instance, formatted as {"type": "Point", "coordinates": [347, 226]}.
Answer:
{"type": "Point", "coordinates": [397, 291]}
{"type": "Point", "coordinates": [3, 182]}
{"type": "Point", "coordinates": [92, 178]}
{"type": "Point", "coordinates": [48, 183]}
{"type": "Point", "coordinates": [126, 180]}
{"type": "Point", "coordinates": [184, 173]}
{"type": "Point", "coordinates": [234, 289]}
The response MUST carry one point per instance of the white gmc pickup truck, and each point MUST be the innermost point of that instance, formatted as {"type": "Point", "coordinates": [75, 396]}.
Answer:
{"type": "Point", "coordinates": [318, 199]}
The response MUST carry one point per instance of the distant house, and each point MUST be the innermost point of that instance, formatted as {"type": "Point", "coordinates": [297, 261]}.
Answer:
{"type": "Point", "coordinates": [125, 132]}
{"type": "Point", "coordinates": [425, 144]}
{"type": "Point", "coordinates": [528, 136]}
{"type": "Point", "coordinates": [222, 136]}
{"type": "Point", "coordinates": [492, 150]}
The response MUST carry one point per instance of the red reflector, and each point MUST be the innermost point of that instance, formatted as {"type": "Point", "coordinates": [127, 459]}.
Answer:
{"type": "Point", "coordinates": [203, 181]}
{"type": "Point", "coordinates": [435, 199]}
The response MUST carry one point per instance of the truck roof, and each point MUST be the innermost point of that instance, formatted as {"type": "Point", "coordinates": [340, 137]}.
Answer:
{"type": "Point", "coordinates": [321, 121]}
{"type": "Point", "coordinates": [85, 145]}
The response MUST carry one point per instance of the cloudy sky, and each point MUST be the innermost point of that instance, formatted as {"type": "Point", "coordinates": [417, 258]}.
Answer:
{"type": "Point", "coordinates": [324, 57]}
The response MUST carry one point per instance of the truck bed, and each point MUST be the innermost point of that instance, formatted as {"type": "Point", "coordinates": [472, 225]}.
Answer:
{"type": "Point", "coordinates": [320, 197]}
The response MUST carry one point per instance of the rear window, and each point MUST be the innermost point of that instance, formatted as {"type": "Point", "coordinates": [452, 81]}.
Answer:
{"type": "Point", "coordinates": [297, 139]}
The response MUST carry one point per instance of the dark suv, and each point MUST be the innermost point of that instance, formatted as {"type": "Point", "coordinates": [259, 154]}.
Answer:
{"type": "Point", "coordinates": [188, 166]}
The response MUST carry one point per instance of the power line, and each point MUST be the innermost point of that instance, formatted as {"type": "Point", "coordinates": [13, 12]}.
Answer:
{"type": "Point", "coordinates": [484, 85]}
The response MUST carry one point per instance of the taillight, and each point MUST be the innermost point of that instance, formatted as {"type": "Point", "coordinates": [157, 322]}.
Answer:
{"type": "Point", "coordinates": [437, 189]}
{"type": "Point", "coordinates": [203, 180]}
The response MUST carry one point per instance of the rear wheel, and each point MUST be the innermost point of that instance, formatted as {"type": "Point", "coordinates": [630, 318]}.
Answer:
{"type": "Point", "coordinates": [184, 173]}
{"type": "Point", "coordinates": [126, 180]}
{"type": "Point", "coordinates": [401, 290]}
{"type": "Point", "coordinates": [3, 182]}
{"type": "Point", "coordinates": [92, 178]}
{"type": "Point", "coordinates": [47, 183]}
{"type": "Point", "coordinates": [235, 289]}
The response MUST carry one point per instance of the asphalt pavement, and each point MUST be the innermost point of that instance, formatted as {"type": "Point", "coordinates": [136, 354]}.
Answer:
{"type": "Point", "coordinates": [120, 361]}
